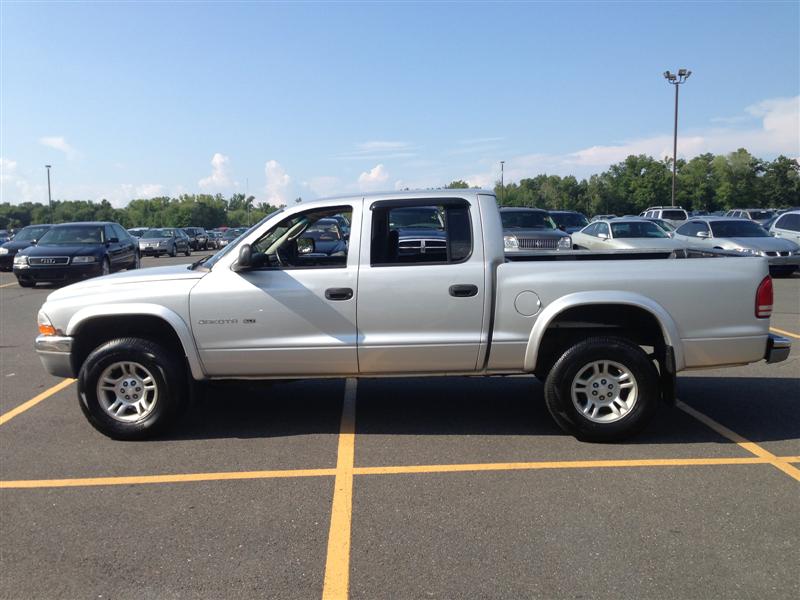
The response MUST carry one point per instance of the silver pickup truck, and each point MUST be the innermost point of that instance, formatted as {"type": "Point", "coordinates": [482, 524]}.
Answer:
{"type": "Point", "coordinates": [296, 298]}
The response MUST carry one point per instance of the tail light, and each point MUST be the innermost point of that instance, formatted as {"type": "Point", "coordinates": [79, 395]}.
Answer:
{"type": "Point", "coordinates": [764, 298]}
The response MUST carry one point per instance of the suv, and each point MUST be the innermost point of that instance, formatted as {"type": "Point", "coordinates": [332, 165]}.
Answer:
{"type": "Point", "coordinates": [198, 238]}
{"type": "Point", "coordinates": [672, 214]}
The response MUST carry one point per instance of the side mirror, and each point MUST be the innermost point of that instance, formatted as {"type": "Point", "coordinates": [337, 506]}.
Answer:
{"type": "Point", "coordinates": [602, 236]}
{"type": "Point", "coordinates": [305, 246]}
{"type": "Point", "coordinates": [34, 241]}
{"type": "Point", "coordinates": [245, 258]}
{"type": "Point", "coordinates": [703, 234]}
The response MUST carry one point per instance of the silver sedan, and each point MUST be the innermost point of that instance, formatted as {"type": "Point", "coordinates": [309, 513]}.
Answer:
{"type": "Point", "coordinates": [632, 233]}
{"type": "Point", "coordinates": [743, 236]}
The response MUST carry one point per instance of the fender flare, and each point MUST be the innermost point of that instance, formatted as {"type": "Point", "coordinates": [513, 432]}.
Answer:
{"type": "Point", "coordinates": [172, 318]}
{"type": "Point", "coordinates": [668, 327]}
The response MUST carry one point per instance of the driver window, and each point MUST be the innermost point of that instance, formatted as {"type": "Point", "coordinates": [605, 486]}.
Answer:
{"type": "Point", "coordinates": [311, 239]}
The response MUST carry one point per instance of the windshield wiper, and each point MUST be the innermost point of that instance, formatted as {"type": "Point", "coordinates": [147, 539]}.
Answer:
{"type": "Point", "coordinates": [197, 263]}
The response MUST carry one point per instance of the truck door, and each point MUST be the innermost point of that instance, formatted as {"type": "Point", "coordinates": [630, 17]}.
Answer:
{"type": "Point", "coordinates": [293, 312]}
{"type": "Point", "coordinates": [421, 286]}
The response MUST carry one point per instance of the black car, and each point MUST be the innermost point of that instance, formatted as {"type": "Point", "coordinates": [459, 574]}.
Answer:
{"type": "Point", "coordinates": [198, 238]}
{"type": "Point", "coordinates": [25, 237]}
{"type": "Point", "coordinates": [569, 220]}
{"type": "Point", "coordinates": [75, 251]}
{"type": "Point", "coordinates": [166, 240]}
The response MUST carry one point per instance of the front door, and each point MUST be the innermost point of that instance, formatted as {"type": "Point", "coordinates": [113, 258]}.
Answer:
{"type": "Point", "coordinates": [292, 313]}
{"type": "Point", "coordinates": [421, 287]}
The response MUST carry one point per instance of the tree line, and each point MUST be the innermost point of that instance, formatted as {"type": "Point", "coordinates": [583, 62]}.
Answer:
{"type": "Point", "coordinates": [706, 182]}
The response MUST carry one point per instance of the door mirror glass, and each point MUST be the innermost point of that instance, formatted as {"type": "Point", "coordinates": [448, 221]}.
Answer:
{"type": "Point", "coordinates": [305, 246]}
{"type": "Point", "coordinates": [602, 236]}
{"type": "Point", "coordinates": [703, 234]}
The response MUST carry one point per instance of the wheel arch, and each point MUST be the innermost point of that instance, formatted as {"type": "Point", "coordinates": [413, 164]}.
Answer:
{"type": "Point", "coordinates": [91, 326]}
{"type": "Point", "coordinates": [623, 301]}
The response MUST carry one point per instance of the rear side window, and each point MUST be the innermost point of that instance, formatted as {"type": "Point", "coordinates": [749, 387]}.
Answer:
{"type": "Point", "coordinates": [674, 215]}
{"type": "Point", "coordinates": [790, 222]}
{"type": "Point", "coordinates": [431, 233]}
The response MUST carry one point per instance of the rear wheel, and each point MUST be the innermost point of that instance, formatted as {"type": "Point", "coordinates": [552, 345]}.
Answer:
{"type": "Point", "coordinates": [130, 388]}
{"type": "Point", "coordinates": [603, 389]}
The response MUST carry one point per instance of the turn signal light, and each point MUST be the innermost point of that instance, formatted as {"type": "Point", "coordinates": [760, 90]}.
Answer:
{"type": "Point", "coordinates": [764, 298]}
{"type": "Point", "coordinates": [47, 329]}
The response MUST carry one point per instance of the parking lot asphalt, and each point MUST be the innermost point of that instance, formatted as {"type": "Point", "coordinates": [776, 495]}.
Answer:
{"type": "Point", "coordinates": [399, 488]}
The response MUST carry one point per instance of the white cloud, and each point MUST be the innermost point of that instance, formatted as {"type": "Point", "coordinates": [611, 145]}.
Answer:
{"type": "Point", "coordinates": [373, 179]}
{"type": "Point", "coordinates": [220, 176]}
{"type": "Point", "coordinates": [277, 188]}
{"type": "Point", "coordinates": [323, 185]}
{"type": "Point", "coordinates": [380, 150]}
{"type": "Point", "coordinates": [59, 143]}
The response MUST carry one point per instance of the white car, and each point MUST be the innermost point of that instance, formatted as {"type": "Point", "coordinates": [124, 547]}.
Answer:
{"type": "Point", "coordinates": [623, 234]}
{"type": "Point", "coordinates": [673, 214]}
{"type": "Point", "coordinates": [787, 226]}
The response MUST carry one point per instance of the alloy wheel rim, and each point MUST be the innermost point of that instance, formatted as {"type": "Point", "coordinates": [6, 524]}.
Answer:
{"type": "Point", "coordinates": [604, 391]}
{"type": "Point", "coordinates": [127, 391]}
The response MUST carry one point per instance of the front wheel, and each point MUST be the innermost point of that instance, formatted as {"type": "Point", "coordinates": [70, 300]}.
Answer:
{"type": "Point", "coordinates": [130, 388]}
{"type": "Point", "coordinates": [174, 250]}
{"type": "Point", "coordinates": [603, 389]}
{"type": "Point", "coordinates": [188, 251]}
{"type": "Point", "coordinates": [26, 284]}
{"type": "Point", "coordinates": [137, 261]}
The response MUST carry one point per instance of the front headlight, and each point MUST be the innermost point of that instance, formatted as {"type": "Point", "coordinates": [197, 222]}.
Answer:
{"type": "Point", "coordinates": [3, 250]}
{"type": "Point", "coordinates": [510, 242]}
{"type": "Point", "coordinates": [82, 260]}
{"type": "Point", "coordinates": [749, 251]}
{"type": "Point", "coordinates": [565, 243]}
{"type": "Point", "coordinates": [20, 261]}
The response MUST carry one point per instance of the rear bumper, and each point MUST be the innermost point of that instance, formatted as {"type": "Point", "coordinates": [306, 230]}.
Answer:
{"type": "Point", "coordinates": [778, 348]}
{"type": "Point", "coordinates": [55, 353]}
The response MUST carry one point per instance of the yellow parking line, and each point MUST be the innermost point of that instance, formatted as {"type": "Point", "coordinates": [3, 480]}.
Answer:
{"type": "Point", "coordinates": [8, 284]}
{"type": "Point", "coordinates": [173, 478]}
{"type": "Point", "coordinates": [742, 442]}
{"type": "Point", "coordinates": [782, 332]}
{"type": "Point", "coordinates": [6, 417]}
{"type": "Point", "coordinates": [562, 464]}
{"type": "Point", "coordinates": [337, 564]}
{"type": "Point", "coordinates": [789, 459]}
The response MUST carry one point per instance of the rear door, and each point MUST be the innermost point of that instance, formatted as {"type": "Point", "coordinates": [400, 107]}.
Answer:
{"type": "Point", "coordinates": [421, 300]}
{"type": "Point", "coordinates": [788, 227]}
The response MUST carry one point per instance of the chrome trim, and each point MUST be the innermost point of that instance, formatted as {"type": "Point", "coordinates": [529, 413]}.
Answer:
{"type": "Point", "coordinates": [53, 343]}
{"type": "Point", "coordinates": [778, 348]}
{"type": "Point", "coordinates": [54, 352]}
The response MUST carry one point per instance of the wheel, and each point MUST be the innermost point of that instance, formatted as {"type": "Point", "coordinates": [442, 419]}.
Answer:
{"type": "Point", "coordinates": [602, 389]}
{"type": "Point", "coordinates": [188, 250]}
{"type": "Point", "coordinates": [26, 284]}
{"type": "Point", "coordinates": [130, 388]}
{"type": "Point", "coordinates": [174, 250]}
{"type": "Point", "coordinates": [106, 267]}
{"type": "Point", "coordinates": [137, 262]}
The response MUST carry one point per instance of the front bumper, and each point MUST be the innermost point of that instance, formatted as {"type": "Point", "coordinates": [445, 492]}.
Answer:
{"type": "Point", "coordinates": [784, 262]}
{"type": "Point", "coordinates": [55, 353]}
{"type": "Point", "coordinates": [778, 348]}
{"type": "Point", "coordinates": [7, 261]}
{"type": "Point", "coordinates": [59, 273]}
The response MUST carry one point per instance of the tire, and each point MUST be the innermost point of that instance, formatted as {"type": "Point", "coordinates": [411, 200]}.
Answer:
{"type": "Point", "coordinates": [134, 420]}
{"type": "Point", "coordinates": [26, 284]}
{"type": "Point", "coordinates": [106, 267]}
{"type": "Point", "coordinates": [586, 371]}
{"type": "Point", "coordinates": [174, 250]}
{"type": "Point", "coordinates": [188, 250]}
{"type": "Point", "coordinates": [137, 262]}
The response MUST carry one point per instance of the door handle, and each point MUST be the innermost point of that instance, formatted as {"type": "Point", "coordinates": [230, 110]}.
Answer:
{"type": "Point", "coordinates": [463, 290]}
{"type": "Point", "coordinates": [339, 293]}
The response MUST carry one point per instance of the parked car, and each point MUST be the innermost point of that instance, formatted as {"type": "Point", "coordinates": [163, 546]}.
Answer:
{"type": "Point", "coordinates": [623, 233]}
{"type": "Point", "coordinates": [759, 215]}
{"type": "Point", "coordinates": [74, 251]}
{"type": "Point", "coordinates": [24, 238]}
{"type": "Point", "coordinates": [603, 217]}
{"type": "Point", "coordinates": [531, 229]}
{"type": "Point", "coordinates": [607, 336]}
{"type": "Point", "coordinates": [137, 231]}
{"type": "Point", "coordinates": [166, 240]}
{"type": "Point", "coordinates": [674, 215]}
{"type": "Point", "coordinates": [419, 233]}
{"type": "Point", "coordinates": [668, 227]}
{"type": "Point", "coordinates": [743, 236]}
{"type": "Point", "coordinates": [328, 237]}
{"type": "Point", "coordinates": [227, 237]}
{"type": "Point", "coordinates": [5, 236]}
{"type": "Point", "coordinates": [569, 221]}
{"type": "Point", "coordinates": [213, 239]}
{"type": "Point", "coordinates": [787, 226]}
{"type": "Point", "coordinates": [198, 238]}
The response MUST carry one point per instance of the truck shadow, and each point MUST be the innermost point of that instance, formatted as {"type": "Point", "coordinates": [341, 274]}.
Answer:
{"type": "Point", "coordinates": [760, 409]}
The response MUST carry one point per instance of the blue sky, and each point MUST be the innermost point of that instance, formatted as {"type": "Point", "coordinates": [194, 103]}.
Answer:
{"type": "Point", "coordinates": [134, 100]}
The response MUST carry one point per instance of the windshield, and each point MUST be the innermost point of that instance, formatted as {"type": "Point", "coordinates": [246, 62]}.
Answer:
{"type": "Point", "coordinates": [637, 229]}
{"type": "Point", "coordinates": [30, 233]}
{"type": "Point", "coordinates": [533, 219]}
{"type": "Point", "coordinates": [737, 229]}
{"type": "Point", "coordinates": [675, 215]}
{"type": "Point", "coordinates": [158, 233]}
{"type": "Point", "coordinates": [569, 219]}
{"type": "Point", "coordinates": [73, 234]}
{"type": "Point", "coordinates": [213, 260]}
{"type": "Point", "coordinates": [416, 217]}
{"type": "Point", "coordinates": [665, 225]}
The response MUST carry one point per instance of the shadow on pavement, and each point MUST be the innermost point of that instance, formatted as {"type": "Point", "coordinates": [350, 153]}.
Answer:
{"type": "Point", "coordinates": [761, 409]}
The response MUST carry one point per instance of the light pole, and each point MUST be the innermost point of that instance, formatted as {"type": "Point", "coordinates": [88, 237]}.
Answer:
{"type": "Point", "coordinates": [502, 184]}
{"type": "Point", "coordinates": [49, 198]}
{"type": "Point", "coordinates": [676, 80]}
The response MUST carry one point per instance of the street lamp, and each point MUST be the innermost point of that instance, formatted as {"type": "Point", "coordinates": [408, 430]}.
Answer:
{"type": "Point", "coordinates": [49, 198]}
{"type": "Point", "coordinates": [502, 185]}
{"type": "Point", "coordinates": [676, 80]}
